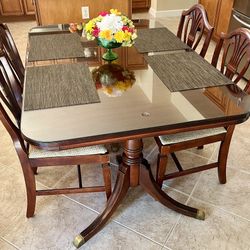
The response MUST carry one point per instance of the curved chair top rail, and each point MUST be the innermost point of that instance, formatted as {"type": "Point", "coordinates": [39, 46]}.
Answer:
{"type": "Point", "coordinates": [194, 23]}
{"type": "Point", "coordinates": [13, 56]}
{"type": "Point", "coordinates": [10, 91]}
{"type": "Point", "coordinates": [235, 48]}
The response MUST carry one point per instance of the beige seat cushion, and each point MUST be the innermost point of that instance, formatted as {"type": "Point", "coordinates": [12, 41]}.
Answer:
{"type": "Point", "coordinates": [188, 136]}
{"type": "Point", "coordinates": [92, 150]}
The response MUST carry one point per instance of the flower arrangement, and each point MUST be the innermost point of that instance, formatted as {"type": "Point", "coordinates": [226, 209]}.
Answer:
{"type": "Point", "coordinates": [113, 79]}
{"type": "Point", "coordinates": [111, 27]}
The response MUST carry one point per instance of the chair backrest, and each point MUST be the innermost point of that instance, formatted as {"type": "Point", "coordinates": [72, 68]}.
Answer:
{"type": "Point", "coordinates": [235, 56]}
{"type": "Point", "coordinates": [193, 26]}
{"type": "Point", "coordinates": [9, 106]}
{"type": "Point", "coordinates": [10, 91]}
{"type": "Point", "coordinates": [13, 56]}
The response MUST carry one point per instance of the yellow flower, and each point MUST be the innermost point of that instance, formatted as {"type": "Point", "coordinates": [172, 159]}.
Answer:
{"type": "Point", "coordinates": [119, 36]}
{"type": "Point", "coordinates": [115, 12]}
{"type": "Point", "coordinates": [106, 34]}
{"type": "Point", "coordinates": [89, 26]}
{"type": "Point", "coordinates": [127, 36]}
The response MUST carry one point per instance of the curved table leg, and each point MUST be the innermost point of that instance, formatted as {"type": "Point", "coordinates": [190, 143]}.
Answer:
{"type": "Point", "coordinates": [150, 186]}
{"type": "Point", "coordinates": [121, 187]}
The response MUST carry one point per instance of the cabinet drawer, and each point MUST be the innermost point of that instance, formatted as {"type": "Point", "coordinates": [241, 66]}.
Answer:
{"type": "Point", "coordinates": [11, 7]}
{"type": "Point", "coordinates": [140, 4]}
{"type": "Point", "coordinates": [29, 7]}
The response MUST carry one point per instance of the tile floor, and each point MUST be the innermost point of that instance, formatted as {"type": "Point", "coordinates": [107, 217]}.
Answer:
{"type": "Point", "coordinates": [140, 222]}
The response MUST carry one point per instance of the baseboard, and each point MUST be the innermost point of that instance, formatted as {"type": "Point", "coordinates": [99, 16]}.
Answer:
{"type": "Point", "coordinates": [165, 13]}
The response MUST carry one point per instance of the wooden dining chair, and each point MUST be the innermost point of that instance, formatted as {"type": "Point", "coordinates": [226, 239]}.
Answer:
{"type": "Point", "coordinates": [13, 56]}
{"type": "Point", "coordinates": [32, 157]}
{"type": "Point", "coordinates": [235, 51]}
{"type": "Point", "coordinates": [194, 26]}
{"type": "Point", "coordinates": [238, 44]}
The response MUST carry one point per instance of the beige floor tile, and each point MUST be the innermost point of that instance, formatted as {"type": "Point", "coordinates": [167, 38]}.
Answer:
{"type": "Point", "coordinates": [219, 231]}
{"type": "Point", "coordinates": [56, 222]}
{"type": "Point", "coordinates": [148, 145]}
{"type": "Point", "coordinates": [49, 176]}
{"type": "Point", "coordinates": [91, 175]}
{"type": "Point", "coordinates": [140, 212]}
{"type": "Point", "coordinates": [207, 150]}
{"type": "Point", "coordinates": [188, 160]}
{"type": "Point", "coordinates": [114, 237]}
{"type": "Point", "coordinates": [12, 198]}
{"type": "Point", "coordinates": [234, 196]}
{"type": "Point", "coordinates": [238, 156]}
{"type": "Point", "coordinates": [5, 245]}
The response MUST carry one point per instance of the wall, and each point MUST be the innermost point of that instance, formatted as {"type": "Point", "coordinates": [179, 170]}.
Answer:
{"type": "Point", "coordinates": [161, 8]}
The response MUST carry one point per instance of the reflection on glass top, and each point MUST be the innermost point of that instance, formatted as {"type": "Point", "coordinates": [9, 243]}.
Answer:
{"type": "Point", "coordinates": [146, 104]}
{"type": "Point", "coordinates": [113, 79]}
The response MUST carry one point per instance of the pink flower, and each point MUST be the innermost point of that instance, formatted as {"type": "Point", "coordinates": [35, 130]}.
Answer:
{"type": "Point", "coordinates": [103, 13]}
{"type": "Point", "coordinates": [124, 28]}
{"type": "Point", "coordinates": [131, 30]}
{"type": "Point", "coordinates": [95, 31]}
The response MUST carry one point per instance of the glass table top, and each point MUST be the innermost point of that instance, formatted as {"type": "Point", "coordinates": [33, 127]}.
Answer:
{"type": "Point", "coordinates": [133, 102]}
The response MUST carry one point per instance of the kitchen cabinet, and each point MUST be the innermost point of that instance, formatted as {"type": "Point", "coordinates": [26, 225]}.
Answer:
{"type": "Point", "coordinates": [140, 5]}
{"type": "Point", "coordinates": [223, 17]}
{"type": "Point", "coordinates": [11, 7]}
{"type": "Point", "coordinates": [211, 8]}
{"type": "Point", "coordinates": [219, 13]}
{"type": "Point", "coordinates": [29, 7]}
{"type": "Point", "coordinates": [63, 11]}
{"type": "Point", "coordinates": [16, 7]}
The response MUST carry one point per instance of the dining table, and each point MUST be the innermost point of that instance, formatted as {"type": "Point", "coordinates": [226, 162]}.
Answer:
{"type": "Point", "coordinates": [72, 98]}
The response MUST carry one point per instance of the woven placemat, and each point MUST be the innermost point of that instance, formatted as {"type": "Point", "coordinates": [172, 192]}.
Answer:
{"type": "Point", "coordinates": [186, 70]}
{"type": "Point", "coordinates": [158, 39]}
{"type": "Point", "coordinates": [54, 46]}
{"type": "Point", "coordinates": [59, 85]}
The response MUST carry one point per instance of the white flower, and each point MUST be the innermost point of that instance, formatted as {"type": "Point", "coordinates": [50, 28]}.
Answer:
{"type": "Point", "coordinates": [110, 22]}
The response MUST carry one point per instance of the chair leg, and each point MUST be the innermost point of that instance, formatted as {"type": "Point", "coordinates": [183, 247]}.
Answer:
{"type": "Point", "coordinates": [107, 178]}
{"type": "Point", "coordinates": [79, 176]}
{"type": "Point", "coordinates": [161, 168]}
{"type": "Point", "coordinates": [223, 154]}
{"type": "Point", "coordinates": [30, 188]}
{"type": "Point", "coordinates": [176, 161]}
{"type": "Point", "coordinates": [35, 170]}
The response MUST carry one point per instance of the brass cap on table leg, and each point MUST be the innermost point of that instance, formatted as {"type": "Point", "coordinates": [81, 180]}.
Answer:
{"type": "Point", "coordinates": [78, 241]}
{"type": "Point", "coordinates": [200, 215]}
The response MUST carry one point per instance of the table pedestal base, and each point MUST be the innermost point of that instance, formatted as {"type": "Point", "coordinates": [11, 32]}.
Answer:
{"type": "Point", "coordinates": [133, 171]}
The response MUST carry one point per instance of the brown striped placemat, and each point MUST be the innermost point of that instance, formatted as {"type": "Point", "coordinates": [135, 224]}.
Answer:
{"type": "Point", "coordinates": [59, 85]}
{"type": "Point", "coordinates": [158, 39]}
{"type": "Point", "coordinates": [54, 46]}
{"type": "Point", "coordinates": [186, 70]}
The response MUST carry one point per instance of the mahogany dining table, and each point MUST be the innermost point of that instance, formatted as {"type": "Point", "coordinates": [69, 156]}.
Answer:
{"type": "Point", "coordinates": [146, 108]}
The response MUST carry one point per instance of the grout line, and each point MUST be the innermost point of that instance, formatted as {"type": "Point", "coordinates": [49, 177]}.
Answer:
{"type": "Point", "coordinates": [64, 176]}
{"type": "Point", "coordinates": [115, 221]}
{"type": "Point", "coordinates": [201, 156]}
{"type": "Point", "coordinates": [172, 230]}
{"type": "Point", "coordinates": [196, 184]}
{"type": "Point", "coordinates": [151, 152]}
{"type": "Point", "coordinates": [238, 169]}
{"type": "Point", "coordinates": [220, 208]}
{"type": "Point", "coordinates": [143, 235]}
{"type": "Point", "coordinates": [79, 203]}
{"type": "Point", "coordinates": [176, 190]}
{"type": "Point", "coordinates": [10, 243]}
